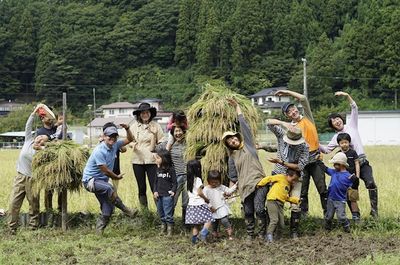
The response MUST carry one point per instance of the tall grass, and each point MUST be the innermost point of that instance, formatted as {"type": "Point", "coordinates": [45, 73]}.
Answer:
{"type": "Point", "coordinates": [382, 158]}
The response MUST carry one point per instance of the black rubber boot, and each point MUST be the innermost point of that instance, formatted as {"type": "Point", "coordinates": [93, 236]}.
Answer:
{"type": "Point", "coordinates": [294, 224]}
{"type": "Point", "coordinates": [373, 197]}
{"type": "Point", "coordinates": [250, 226]}
{"type": "Point", "coordinates": [262, 227]}
{"type": "Point", "coordinates": [328, 225]}
{"type": "Point", "coordinates": [102, 223]}
{"type": "Point", "coordinates": [324, 200]}
{"type": "Point", "coordinates": [127, 211]}
{"type": "Point", "coordinates": [143, 201]}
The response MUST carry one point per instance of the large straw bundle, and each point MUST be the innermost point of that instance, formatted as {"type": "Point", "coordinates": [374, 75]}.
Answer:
{"type": "Point", "coordinates": [60, 165]}
{"type": "Point", "coordinates": [209, 118]}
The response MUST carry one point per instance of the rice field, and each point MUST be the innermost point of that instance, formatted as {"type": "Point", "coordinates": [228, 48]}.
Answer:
{"type": "Point", "coordinates": [384, 160]}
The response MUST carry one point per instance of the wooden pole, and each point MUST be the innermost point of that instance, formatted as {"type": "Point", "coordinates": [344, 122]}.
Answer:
{"type": "Point", "coordinates": [64, 197]}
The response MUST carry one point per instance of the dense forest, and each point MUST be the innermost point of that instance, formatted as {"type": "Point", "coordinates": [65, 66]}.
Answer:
{"type": "Point", "coordinates": [131, 49]}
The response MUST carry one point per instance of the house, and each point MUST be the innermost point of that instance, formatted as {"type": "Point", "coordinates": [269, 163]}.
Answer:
{"type": "Point", "coordinates": [8, 106]}
{"type": "Point", "coordinates": [267, 101]}
{"type": "Point", "coordinates": [118, 109]}
{"type": "Point", "coordinates": [378, 127]}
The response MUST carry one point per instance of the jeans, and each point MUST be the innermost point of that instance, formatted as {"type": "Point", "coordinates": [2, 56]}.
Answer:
{"type": "Point", "coordinates": [340, 208]}
{"type": "Point", "coordinates": [314, 170]}
{"type": "Point", "coordinates": [181, 188]}
{"type": "Point", "coordinates": [104, 192]}
{"type": "Point", "coordinates": [165, 209]}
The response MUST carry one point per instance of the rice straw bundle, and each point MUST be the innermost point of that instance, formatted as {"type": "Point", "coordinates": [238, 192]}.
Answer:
{"type": "Point", "coordinates": [209, 118]}
{"type": "Point", "coordinates": [60, 165]}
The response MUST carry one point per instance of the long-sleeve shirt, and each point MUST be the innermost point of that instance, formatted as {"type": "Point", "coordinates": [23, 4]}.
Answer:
{"type": "Point", "coordinates": [248, 166]}
{"type": "Point", "coordinates": [352, 129]}
{"type": "Point", "coordinates": [341, 181]}
{"type": "Point", "coordinates": [24, 163]}
{"type": "Point", "coordinates": [280, 189]}
{"type": "Point", "coordinates": [146, 137]}
{"type": "Point", "coordinates": [165, 181]}
{"type": "Point", "coordinates": [296, 154]}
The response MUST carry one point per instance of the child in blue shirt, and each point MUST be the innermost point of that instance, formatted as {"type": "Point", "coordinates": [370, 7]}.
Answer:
{"type": "Point", "coordinates": [341, 181]}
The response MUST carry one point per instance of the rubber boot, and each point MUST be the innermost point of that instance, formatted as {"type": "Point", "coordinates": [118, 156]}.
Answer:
{"type": "Point", "coordinates": [143, 201]}
{"type": "Point", "coordinates": [294, 224]}
{"type": "Point", "coordinates": [262, 227]}
{"type": "Point", "coordinates": [170, 229]}
{"type": "Point", "coordinates": [127, 211]}
{"type": "Point", "coordinates": [163, 228]}
{"type": "Point", "coordinates": [373, 197]}
{"type": "Point", "coordinates": [102, 223]}
{"type": "Point", "coordinates": [250, 225]}
{"type": "Point", "coordinates": [324, 201]}
{"type": "Point", "coordinates": [203, 234]}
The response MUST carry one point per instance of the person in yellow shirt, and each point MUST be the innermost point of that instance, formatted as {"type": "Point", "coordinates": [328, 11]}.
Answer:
{"type": "Point", "coordinates": [276, 198]}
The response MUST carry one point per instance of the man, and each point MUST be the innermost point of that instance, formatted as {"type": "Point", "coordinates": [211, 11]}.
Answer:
{"type": "Point", "coordinates": [292, 153]}
{"type": "Point", "coordinates": [336, 122]}
{"type": "Point", "coordinates": [314, 166]}
{"type": "Point", "coordinates": [99, 169]}
{"type": "Point", "coordinates": [249, 172]}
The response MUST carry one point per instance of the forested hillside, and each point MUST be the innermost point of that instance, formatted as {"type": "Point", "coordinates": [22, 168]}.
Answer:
{"type": "Point", "coordinates": [130, 49]}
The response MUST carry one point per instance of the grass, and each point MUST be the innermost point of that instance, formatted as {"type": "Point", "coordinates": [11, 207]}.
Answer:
{"type": "Point", "coordinates": [137, 241]}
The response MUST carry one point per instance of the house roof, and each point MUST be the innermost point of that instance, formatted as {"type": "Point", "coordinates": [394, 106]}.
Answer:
{"type": "Point", "coordinates": [267, 92]}
{"type": "Point", "coordinates": [119, 105]}
{"type": "Point", "coordinates": [271, 105]}
{"type": "Point", "coordinates": [14, 134]}
{"type": "Point", "coordinates": [99, 122]}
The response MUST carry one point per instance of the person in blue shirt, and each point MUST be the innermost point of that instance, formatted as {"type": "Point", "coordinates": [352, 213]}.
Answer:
{"type": "Point", "coordinates": [341, 181]}
{"type": "Point", "coordinates": [98, 170]}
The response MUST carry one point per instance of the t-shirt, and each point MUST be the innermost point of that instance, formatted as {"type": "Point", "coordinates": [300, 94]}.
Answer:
{"type": "Point", "coordinates": [101, 155]}
{"type": "Point", "coordinates": [51, 133]}
{"type": "Point", "coordinates": [165, 181]}
{"type": "Point", "coordinates": [352, 156]}
{"type": "Point", "coordinates": [194, 198]}
{"type": "Point", "coordinates": [340, 183]}
{"type": "Point", "coordinates": [177, 156]}
{"type": "Point", "coordinates": [217, 199]}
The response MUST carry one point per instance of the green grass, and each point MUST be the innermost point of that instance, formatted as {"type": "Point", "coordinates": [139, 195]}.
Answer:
{"type": "Point", "coordinates": [137, 241]}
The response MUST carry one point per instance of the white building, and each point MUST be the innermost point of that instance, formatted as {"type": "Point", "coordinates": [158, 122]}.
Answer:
{"type": "Point", "coordinates": [267, 101]}
{"type": "Point", "coordinates": [378, 127]}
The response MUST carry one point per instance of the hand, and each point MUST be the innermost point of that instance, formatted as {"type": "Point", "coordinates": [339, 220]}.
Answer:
{"type": "Point", "coordinates": [155, 195]}
{"type": "Point", "coordinates": [207, 200]}
{"type": "Point", "coordinates": [281, 93]}
{"type": "Point", "coordinates": [341, 93]}
{"type": "Point", "coordinates": [171, 193]}
{"type": "Point", "coordinates": [120, 176]}
{"type": "Point", "coordinates": [37, 107]}
{"type": "Point", "coordinates": [213, 210]}
{"type": "Point", "coordinates": [125, 126]}
{"type": "Point", "coordinates": [273, 121]}
{"type": "Point", "coordinates": [232, 102]}
{"type": "Point", "coordinates": [275, 160]}
{"type": "Point", "coordinates": [258, 146]}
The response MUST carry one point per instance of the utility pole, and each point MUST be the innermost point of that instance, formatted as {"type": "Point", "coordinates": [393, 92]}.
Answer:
{"type": "Point", "coordinates": [64, 197]}
{"type": "Point", "coordinates": [94, 102]}
{"type": "Point", "coordinates": [90, 125]}
{"type": "Point", "coordinates": [305, 92]}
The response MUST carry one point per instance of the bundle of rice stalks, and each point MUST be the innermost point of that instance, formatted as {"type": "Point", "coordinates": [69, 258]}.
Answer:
{"type": "Point", "coordinates": [209, 118]}
{"type": "Point", "coordinates": [60, 165]}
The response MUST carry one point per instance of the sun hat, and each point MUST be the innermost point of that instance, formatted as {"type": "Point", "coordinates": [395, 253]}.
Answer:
{"type": "Point", "coordinates": [110, 131]}
{"type": "Point", "coordinates": [229, 134]}
{"type": "Point", "coordinates": [286, 106]}
{"type": "Point", "coordinates": [44, 111]}
{"type": "Point", "coordinates": [143, 107]}
{"type": "Point", "coordinates": [293, 137]}
{"type": "Point", "coordinates": [339, 158]}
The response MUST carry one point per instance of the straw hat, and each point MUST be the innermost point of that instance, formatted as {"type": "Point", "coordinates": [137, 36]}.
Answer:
{"type": "Point", "coordinates": [293, 137]}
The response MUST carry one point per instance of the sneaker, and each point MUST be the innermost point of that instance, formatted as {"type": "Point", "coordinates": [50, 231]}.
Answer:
{"type": "Point", "coordinates": [294, 235]}
{"type": "Point", "coordinates": [195, 240]}
{"type": "Point", "coordinates": [269, 238]}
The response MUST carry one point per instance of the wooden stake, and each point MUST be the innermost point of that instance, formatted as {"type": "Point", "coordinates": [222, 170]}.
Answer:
{"type": "Point", "coordinates": [64, 197]}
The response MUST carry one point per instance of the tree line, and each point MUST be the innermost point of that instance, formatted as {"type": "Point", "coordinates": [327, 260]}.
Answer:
{"type": "Point", "coordinates": [130, 49]}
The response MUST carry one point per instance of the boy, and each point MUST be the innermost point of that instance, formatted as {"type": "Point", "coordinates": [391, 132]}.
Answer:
{"type": "Point", "coordinates": [276, 198]}
{"type": "Point", "coordinates": [344, 140]}
{"type": "Point", "coordinates": [341, 181]}
{"type": "Point", "coordinates": [98, 170]}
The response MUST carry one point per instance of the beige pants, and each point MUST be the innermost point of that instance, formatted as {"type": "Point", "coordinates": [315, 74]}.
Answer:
{"type": "Point", "coordinates": [22, 187]}
{"type": "Point", "coordinates": [295, 192]}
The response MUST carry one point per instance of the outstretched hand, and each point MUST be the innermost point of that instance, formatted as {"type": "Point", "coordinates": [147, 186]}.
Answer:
{"type": "Point", "coordinates": [232, 102]}
{"type": "Point", "coordinates": [281, 93]}
{"type": "Point", "coordinates": [123, 125]}
{"type": "Point", "coordinates": [341, 93]}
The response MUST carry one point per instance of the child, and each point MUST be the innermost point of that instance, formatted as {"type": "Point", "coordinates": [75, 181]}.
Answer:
{"type": "Point", "coordinates": [216, 193]}
{"type": "Point", "coordinates": [276, 198]}
{"type": "Point", "coordinates": [341, 181]}
{"type": "Point", "coordinates": [344, 140]}
{"type": "Point", "coordinates": [178, 119]}
{"type": "Point", "coordinates": [165, 189]}
{"type": "Point", "coordinates": [197, 212]}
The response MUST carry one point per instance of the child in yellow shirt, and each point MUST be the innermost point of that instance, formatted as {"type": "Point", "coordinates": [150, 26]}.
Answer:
{"type": "Point", "coordinates": [276, 198]}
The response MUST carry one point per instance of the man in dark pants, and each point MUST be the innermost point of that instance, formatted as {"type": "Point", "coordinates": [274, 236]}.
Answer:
{"type": "Point", "coordinates": [314, 167]}
{"type": "Point", "coordinates": [336, 122]}
{"type": "Point", "coordinates": [249, 172]}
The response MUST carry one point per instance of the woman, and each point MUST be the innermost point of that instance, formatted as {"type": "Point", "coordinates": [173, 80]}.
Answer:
{"type": "Point", "coordinates": [147, 134]}
{"type": "Point", "coordinates": [177, 153]}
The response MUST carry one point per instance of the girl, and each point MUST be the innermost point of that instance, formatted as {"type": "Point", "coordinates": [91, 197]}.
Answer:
{"type": "Point", "coordinates": [216, 193]}
{"type": "Point", "coordinates": [197, 212]}
{"type": "Point", "coordinates": [164, 190]}
{"type": "Point", "coordinates": [178, 119]}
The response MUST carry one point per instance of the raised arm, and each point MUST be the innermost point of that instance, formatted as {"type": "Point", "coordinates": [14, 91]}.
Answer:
{"type": "Point", "coordinates": [244, 126]}
{"type": "Point", "coordinates": [354, 109]}
{"type": "Point", "coordinates": [129, 136]}
{"type": "Point", "coordinates": [284, 92]}
{"type": "Point", "coordinates": [301, 98]}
